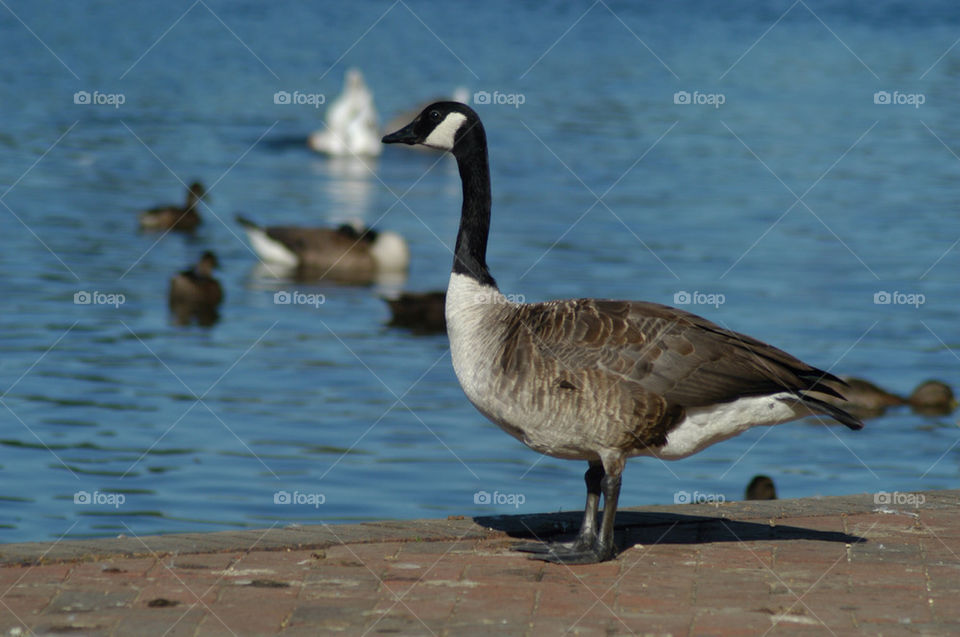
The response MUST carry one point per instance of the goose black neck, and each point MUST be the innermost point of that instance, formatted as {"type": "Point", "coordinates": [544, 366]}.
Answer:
{"type": "Point", "coordinates": [470, 254]}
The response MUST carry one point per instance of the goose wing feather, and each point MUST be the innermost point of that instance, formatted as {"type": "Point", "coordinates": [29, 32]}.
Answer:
{"type": "Point", "coordinates": [684, 358]}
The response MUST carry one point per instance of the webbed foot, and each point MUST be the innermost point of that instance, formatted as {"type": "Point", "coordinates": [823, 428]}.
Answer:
{"type": "Point", "coordinates": [558, 553]}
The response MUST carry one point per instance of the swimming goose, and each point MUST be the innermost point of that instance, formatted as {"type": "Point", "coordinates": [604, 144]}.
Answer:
{"type": "Point", "coordinates": [348, 253]}
{"type": "Point", "coordinates": [351, 122]}
{"type": "Point", "coordinates": [421, 312]}
{"type": "Point", "coordinates": [185, 218]}
{"type": "Point", "coordinates": [598, 380]}
{"type": "Point", "coordinates": [195, 294]}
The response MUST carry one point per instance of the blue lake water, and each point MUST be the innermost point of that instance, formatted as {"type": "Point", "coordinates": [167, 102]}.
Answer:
{"type": "Point", "coordinates": [797, 199]}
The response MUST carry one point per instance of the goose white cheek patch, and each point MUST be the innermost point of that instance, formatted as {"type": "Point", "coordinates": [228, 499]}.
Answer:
{"type": "Point", "coordinates": [443, 136]}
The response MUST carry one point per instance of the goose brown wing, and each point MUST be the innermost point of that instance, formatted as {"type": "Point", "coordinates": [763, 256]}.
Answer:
{"type": "Point", "coordinates": [686, 359]}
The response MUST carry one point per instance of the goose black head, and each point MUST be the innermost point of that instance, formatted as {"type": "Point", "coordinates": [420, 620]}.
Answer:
{"type": "Point", "coordinates": [442, 125]}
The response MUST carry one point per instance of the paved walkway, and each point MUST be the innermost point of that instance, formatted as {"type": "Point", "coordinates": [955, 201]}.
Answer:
{"type": "Point", "coordinates": [834, 566]}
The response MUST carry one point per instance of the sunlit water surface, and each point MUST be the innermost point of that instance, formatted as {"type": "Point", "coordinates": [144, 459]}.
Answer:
{"type": "Point", "coordinates": [795, 202]}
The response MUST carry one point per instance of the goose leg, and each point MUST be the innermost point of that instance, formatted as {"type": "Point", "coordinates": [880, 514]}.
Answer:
{"type": "Point", "coordinates": [605, 548]}
{"type": "Point", "coordinates": [587, 536]}
{"type": "Point", "coordinates": [589, 547]}
{"type": "Point", "coordinates": [588, 529]}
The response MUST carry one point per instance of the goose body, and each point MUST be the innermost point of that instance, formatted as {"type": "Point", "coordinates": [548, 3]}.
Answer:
{"type": "Point", "coordinates": [598, 380]}
{"type": "Point", "coordinates": [351, 123]}
{"type": "Point", "coordinates": [171, 217]}
{"type": "Point", "coordinates": [635, 364]}
{"type": "Point", "coordinates": [346, 253]}
{"type": "Point", "coordinates": [195, 294]}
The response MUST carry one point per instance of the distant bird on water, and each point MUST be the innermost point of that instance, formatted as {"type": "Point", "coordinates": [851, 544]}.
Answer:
{"type": "Point", "coordinates": [761, 488]}
{"type": "Point", "coordinates": [348, 253]}
{"type": "Point", "coordinates": [172, 217]}
{"type": "Point", "coordinates": [421, 312]}
{"type": "Point", "coordinates": [351, 123]}
{"type": "Point", "coordinates": [195, 295]}
{"type": "Point", "coordinates": [867, 400]}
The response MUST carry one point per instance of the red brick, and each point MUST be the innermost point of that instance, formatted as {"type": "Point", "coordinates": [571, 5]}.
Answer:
{"type": "Point", "coordinates": [230, 619]}
{"type": "Point", "coordinates": [690, 585]}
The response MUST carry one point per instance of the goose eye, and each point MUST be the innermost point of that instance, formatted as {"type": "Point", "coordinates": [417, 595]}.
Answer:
{"type": "Point", "coordinates": [434, 114]}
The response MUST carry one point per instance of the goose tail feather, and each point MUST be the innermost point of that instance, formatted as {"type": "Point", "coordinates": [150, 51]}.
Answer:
{"type": "Point", "coordinates": [836, 413]}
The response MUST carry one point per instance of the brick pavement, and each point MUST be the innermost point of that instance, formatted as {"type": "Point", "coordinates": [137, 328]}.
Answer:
{"type": "Point", "coordinates": [834, 566]}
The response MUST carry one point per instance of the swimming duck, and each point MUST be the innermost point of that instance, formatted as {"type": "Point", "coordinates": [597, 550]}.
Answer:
{"type": "Point", "coordinates": [867, 400]}
{"type": "Point", "coordinates": [761, 488]}
{"type": "Point", "coordinates": [195, 294]}
{"type": "Point", "coordinates": [171, 217]}
{"type": "Point", "coordinates": [421, 312]}
{"type": "Point", "coordinates": [932, 398]}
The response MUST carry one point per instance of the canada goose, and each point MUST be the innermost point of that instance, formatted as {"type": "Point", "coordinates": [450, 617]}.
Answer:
{"type": "Point", "coordinates": [351, 126]}
{"type": "Point", "coordinates": [598, 380]}
{"type": "Point", "coordinates": [421, 312]}
{"type": "Point", "coordinates": [760, 488]}
{"type": "Point", "coordinates": [349, 254]}
{"type": "Point", "coordinates": [185, 218]}
{"type": "Point", "coordinates": [867, 400]}
{"type": "Point", "coordinates": [195, 294]}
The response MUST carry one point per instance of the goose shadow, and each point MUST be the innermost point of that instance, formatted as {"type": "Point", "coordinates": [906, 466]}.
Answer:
{"type": "Point", "coordinates": [656, 527]}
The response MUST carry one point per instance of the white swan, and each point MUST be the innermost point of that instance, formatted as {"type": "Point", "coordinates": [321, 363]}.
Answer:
{"type": "Point", "coordinates": [351, 125]}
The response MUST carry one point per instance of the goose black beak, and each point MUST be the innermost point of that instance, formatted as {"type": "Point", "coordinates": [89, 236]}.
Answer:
{"type": "Point", "coordinates": [405, 135]}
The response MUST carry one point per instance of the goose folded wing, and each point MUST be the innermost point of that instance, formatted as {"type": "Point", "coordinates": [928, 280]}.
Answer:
{"type": "Point", "coordinates": [684, 358]}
